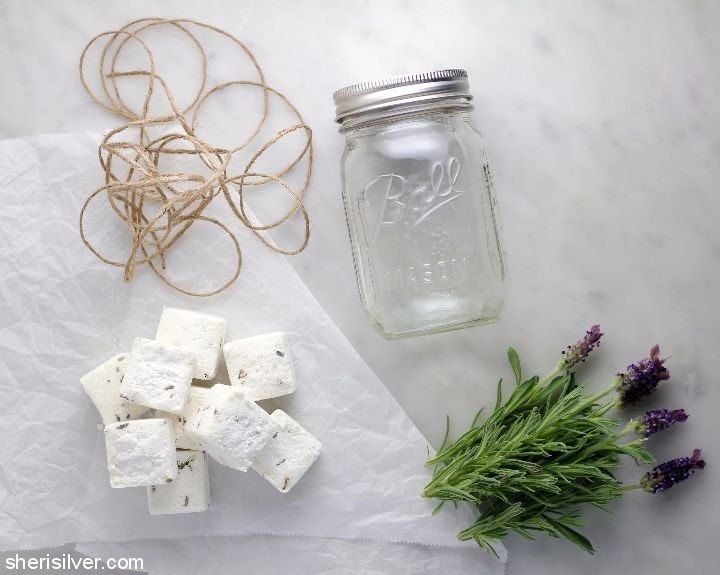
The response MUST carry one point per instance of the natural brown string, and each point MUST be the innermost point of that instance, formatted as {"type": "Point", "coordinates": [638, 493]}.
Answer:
{"type": "Point", "coordinates": [159, 207]}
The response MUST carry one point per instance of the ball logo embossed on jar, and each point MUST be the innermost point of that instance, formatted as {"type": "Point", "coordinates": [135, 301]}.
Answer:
{"type": "Point", "coordinates": [391, 198]}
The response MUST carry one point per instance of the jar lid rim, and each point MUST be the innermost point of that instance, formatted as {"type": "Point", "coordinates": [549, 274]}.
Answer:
{"type": "Point", "coordinates": [357, 98]}
{"type": "Point", "coordinates": [395, 81]}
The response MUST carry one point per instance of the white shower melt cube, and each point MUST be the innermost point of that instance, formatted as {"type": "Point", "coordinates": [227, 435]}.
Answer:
{"type": "Point", "coordinates": [140, 452]}
{"type": "Point", "coordinates": [102, 385]}
{"type": "Point", "coordinates": [288, 454]}
{"type": "Point", "coordinates": [261, 366]}
{"type": "Point", "coordinates": [196, 400]}
{"type": "Point", "coordinates": [158, 375]}
{"type": "Point", "coordinates": [198, 333]}
{"type": "Point", "coordinates": [230, 427]}
{"type": "Point", "coordinates": [188, 493]}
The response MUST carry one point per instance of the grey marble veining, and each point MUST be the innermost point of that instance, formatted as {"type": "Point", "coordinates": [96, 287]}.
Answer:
{"type": "Point", "coordinates": [603, 123]}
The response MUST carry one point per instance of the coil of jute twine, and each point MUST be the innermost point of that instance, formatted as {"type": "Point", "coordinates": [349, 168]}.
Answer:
{"type": "Point", "coordinates": [160, 206]}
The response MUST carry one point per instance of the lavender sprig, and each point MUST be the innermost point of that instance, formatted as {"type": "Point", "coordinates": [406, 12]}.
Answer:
{"type": "Point", "coordinates": [667, 474]}
{"type": "Point", "coordinates": [657, 420]}
{"type": "Point", "coordinates": [641, 379]}
{"type": "Point", "coordinates": [578, 353]}
{"type": "Point", "coordinates": [551, 448]}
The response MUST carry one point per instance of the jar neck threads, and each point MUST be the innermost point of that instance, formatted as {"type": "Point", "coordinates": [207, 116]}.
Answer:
{"type": "Point", "coordinates": [401, 111]}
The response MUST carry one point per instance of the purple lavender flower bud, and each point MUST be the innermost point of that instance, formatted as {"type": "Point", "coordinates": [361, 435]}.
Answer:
{"type": "Point", "coordinates": [579, 352]}
{"type": "Point", "coordinates": [667, 474]}
{"type": "Point", "coordinates": [657, 420]}
{"type": "Point", "coordinates": [642, 378]}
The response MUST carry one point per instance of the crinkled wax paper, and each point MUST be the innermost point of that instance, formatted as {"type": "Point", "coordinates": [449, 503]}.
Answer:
{"type": "Point", "coordinates": [62, 312]}
{"type": "Point", "coordinates": [297, 555]}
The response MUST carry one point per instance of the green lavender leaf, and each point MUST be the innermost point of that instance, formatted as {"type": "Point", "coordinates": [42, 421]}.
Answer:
{"type": "Point", "coordinates": [571, 535]}
{"type": "Point", "coordinates": [515, 364]}
{"type": "Point", "coordinates": [447, 431]}
{"type": "Point", "coordinates": [636, 450]}
{"type": "Point", "coordinates": [478, 414]}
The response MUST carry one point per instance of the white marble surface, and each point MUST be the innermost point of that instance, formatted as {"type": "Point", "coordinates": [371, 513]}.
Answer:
{"type": "Point", "coordinates": [603, 122]}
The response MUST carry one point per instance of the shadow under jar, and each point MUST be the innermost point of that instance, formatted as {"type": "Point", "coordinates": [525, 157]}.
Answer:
{"type": "Point", "coordinates": [420, 204]}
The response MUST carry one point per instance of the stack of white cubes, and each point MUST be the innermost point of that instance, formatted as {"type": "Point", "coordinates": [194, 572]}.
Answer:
{"type": "Point", "coordinates": [160, 428]}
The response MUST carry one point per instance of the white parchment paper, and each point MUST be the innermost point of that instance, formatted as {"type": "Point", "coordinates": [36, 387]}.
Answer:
{"type": "Point", "coordinates": [296, 555]}
{"type": "Point", "coordinates": [62, 312]}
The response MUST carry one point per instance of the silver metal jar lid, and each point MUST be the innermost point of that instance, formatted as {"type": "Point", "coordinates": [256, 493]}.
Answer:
{"type": "Point", "coordinates": [379, 95]}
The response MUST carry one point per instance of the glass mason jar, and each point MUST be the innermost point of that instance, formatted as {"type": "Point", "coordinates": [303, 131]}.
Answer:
{"type": "Point", "coordinates": [420, 204]}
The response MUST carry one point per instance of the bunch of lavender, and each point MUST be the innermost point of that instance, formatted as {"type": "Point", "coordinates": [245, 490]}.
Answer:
{"type": "Point", "coordinates": [551, 448]}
